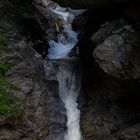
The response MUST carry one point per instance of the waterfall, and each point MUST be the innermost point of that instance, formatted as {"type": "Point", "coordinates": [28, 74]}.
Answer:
{"type": "Point", "coordinates": [68, 73]}
{"type": "Point", "coordinates": [69, 88]}
{"type": "Point", "coordinates": [66, 39]}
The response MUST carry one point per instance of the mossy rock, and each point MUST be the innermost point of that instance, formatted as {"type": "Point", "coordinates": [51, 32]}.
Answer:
{"type": "Point", "coordinates": [10, 106]}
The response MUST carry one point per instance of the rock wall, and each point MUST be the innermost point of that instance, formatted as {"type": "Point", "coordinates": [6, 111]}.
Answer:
{"type": "Point", "coordinates": [109, 53]}
{"type": "Point", "coordinates": [90, 3]}
{"type": "Point", "coordinates": [111, 105]}
{"type": "Point", "coordinates": [29, 88]}
{"type": "Point", "coordinates": [27, 84]}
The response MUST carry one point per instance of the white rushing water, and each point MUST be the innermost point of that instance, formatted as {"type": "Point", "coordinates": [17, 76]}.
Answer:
{"type": "Point", "coordinates": [69, 88]}
{"type": "Point", "coordinates": [69, 81]}
{"type": "Point", "coordinates": [68, 38]}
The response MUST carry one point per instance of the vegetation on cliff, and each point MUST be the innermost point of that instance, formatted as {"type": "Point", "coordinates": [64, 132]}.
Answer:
{"type": "Point", "coordinates": [9, 104]}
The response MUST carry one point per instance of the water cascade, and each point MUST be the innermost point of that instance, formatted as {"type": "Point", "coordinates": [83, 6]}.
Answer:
{"type": "Point", "coordinates": [69, 89]}
{"type": "Point", "coordinates": [66, 40]}
{"type": "Point", "coordinates": [67, 73]}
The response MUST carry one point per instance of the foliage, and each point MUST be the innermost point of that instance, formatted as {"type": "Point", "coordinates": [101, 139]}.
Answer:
{"type": "Point", "coordinates": [10, 106]}
{"type": "Point", "coordinates": [4, 67]}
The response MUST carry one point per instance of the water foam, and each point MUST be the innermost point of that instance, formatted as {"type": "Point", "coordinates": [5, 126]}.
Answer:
{"type": "Point", "coordinates": [69, 88]}
{"type": "Point", "coordinates": [59, 50]}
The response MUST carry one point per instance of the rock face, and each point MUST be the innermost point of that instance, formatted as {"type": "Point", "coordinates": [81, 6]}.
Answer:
{"type": "Point", "coordinates": [117, 51]}
{"type": "Point", "coordinates": [29, 88]}
{"type": "Point", "coordinates": [27, 82]}
{"type": "Point", "coordinates": [110, 83]}
{"type": "Point", "coordinates": [90, 3]}
{"type": "Point", "coordinates": [55, 107]}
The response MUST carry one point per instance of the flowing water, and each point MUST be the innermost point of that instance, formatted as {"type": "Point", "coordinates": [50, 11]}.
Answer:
{"type": "Point", "coordinates": [68, 74]}
{"type": "Point", "coordinates": [65, 40]}
{"type": "Point", "coordinates": [69, 89]}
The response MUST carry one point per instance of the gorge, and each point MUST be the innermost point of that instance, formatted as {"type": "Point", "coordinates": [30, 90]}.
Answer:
{"type": "Point", "coordinates": [69, 70]}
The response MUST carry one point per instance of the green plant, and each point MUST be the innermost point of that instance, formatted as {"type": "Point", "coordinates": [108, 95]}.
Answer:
{"type": "Point", "coordinates": [10, 106]}
{"type": "Point", "coordinates": [4, 66]}
{"type": "Point", "coordinates": [4, 84]}
{"type": "Point", "coordinates": [3, 101]}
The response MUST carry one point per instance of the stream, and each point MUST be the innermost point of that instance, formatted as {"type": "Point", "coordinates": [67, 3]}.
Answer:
{"type": "Point", "coordinates": [67, 71]}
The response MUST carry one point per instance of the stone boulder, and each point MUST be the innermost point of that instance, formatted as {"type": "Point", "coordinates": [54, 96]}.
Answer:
{"type": "Point", "coordinates": [117, 50]}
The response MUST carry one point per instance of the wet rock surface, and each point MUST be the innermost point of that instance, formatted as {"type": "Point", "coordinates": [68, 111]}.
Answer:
{"type": "Point", "coordinates": [118, 50]}
{"type": "Point", "coordinates": [110, 109]}
{"type": "Point", "coordinates": [27, 82]}
{"type": "Point", "coordinates": [29, 88]}
{"type": "Point", "coordinates": [55, 107]}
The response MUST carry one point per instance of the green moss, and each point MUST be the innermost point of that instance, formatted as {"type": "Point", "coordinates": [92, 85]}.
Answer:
{"type": "Point", "coordinates": [3, 108]}
{"type": "Point", "coordinates": [3, 82]}
{"type": "Point", "coordinates": [4, 66]}
{"type": "Point", "coordinates": [10, 106]}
